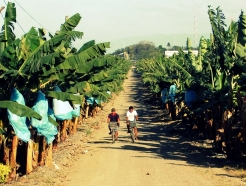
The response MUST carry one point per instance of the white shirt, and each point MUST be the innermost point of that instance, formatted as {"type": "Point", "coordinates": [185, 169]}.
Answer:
{"type": "Point", "coordinates": [131, 115]}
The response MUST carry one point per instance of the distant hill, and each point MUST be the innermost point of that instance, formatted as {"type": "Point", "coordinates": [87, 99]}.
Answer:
{"type": "Point", "coordinates": [141, 50]}
{"type": "Point", "coordinates": [158, 39]}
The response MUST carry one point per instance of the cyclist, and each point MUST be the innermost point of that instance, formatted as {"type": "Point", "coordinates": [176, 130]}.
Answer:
{"type": "Point", "coordinates": [113, 117]}
{"type": "Point", "coordinates": [131, 117]}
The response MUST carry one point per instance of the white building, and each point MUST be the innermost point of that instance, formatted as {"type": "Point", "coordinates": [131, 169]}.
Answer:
{"type": "Point", "coordinates": [169, 53]}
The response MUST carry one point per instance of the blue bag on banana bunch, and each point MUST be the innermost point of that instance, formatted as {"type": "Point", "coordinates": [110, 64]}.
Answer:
{"type": "Point", "coordinates": [62, 109]}
{"type": "Point", "coordinates": [43, 126]}
{"type": "Point", "coordinates": [92, 100]}
{"type": "Point", "coordinates": [19, 123]}
{"type": "Point", "coordinates": [172, 92]}
{"type": "Point", "coordinates": [76, 110]}
{"type": "Point", "coordinates": [164, 95]}
{"type": "Point", "coordinates": [53, 128]}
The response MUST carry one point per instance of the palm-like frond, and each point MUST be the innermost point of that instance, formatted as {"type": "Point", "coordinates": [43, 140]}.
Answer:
{"type": "Point", "coordinates": [19, 109]}
{"type": "Point", "coordinates": [7, 35]}
{"type": "Point", "coordinates": [70, 23]}
{"type": "Point", "coordinates": [87, 45]}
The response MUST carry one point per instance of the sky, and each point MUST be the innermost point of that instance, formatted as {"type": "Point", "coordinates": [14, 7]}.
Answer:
{"type": "Point", "coordinates": [125, 22]}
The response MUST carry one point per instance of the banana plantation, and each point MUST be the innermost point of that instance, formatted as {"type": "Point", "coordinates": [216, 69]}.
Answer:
{"type": "Point", "coordinates": [208, 90]}
{"type": "Point", "coordinates": [47, 87]}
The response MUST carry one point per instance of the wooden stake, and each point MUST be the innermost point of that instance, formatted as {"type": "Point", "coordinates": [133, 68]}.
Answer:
{"type": "Point", "coordinates": [29, 157]}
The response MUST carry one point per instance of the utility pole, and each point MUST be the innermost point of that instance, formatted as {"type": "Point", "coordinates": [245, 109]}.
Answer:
{"type": "Point", "coordinates": [195, 29]}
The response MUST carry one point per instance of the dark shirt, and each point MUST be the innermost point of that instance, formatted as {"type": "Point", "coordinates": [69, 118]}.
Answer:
{"type": "Point", "coordinates": [113, 118]}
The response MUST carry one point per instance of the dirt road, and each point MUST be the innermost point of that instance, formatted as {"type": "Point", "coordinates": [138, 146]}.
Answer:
{"type": "Point", "coordinates": [161, 157]}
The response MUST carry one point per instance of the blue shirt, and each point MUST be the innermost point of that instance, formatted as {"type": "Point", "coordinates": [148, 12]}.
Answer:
{"type": "Point", "coordinates": [113, 118]}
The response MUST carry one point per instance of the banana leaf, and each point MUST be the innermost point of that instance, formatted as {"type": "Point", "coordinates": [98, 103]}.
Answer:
{"type": "Point", "coordinates": [70, 23]}
{"type": "Point", "coordinates": [64, 96]}
{"type": "Point", "coordinates": [87, 45]}
{"type": "Point", "coordinates": [52, 121]}
{"type": "Point", "coordinates": [7, 35]}
{"type": "Point", "coordinates": [19, 110]}
{"type": "Point", "coordinates": [80, 62]}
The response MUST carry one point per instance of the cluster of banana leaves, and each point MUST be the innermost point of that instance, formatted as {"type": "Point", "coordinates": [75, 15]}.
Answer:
{"type": "Point", "coordinates": [217, 74]}
{"type": "Point", "coordinates": [41, 61]}
{"type": "Point", "coordinates": [218, 69]}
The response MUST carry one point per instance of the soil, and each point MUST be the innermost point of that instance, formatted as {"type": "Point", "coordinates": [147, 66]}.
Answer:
{"type": "Point", "coordinates": [167, 153]}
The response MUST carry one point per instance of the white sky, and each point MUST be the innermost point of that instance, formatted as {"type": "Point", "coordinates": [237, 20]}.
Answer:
{"type": "Point", "coordinates": [111, 20]}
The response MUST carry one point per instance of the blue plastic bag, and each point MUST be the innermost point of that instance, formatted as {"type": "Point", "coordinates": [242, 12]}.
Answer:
{"type": "Point", "coordinates": [43, 126]}
{"type": "Point", "coordinates": [18, 123]}
{"type": "Point", "coordinates": [172, 92]}
{"type": "Point", "coordinates": [62, 109]}
{"type": "Point", "coordinates": [189, 97]}
{"type": "Point", "coordinates": [90, 100]}
{"type": "Point", "coordinates": [53, 129]}
{"type": "Point", "coordinates": [76, 110]}
{"type": "Point", "coordinates": [164, 95]}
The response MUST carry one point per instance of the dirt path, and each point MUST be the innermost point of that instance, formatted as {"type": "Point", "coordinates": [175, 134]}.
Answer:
{"type": "Point", "coordinates": [165, 154]}
{"type": "Point", "coordinates": [161, 156]}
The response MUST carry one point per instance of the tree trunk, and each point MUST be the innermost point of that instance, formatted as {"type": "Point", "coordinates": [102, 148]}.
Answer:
{"type": "Point", "coordinates": [59, 132]}
{"type": "Point", "coordinates": [6, 155]}
{"type": "Point", "coordinates": [29, 157]}
{"type": "Point", "coordinates": [242, 112]}
{"type": "Point", "coordinates": [226, 125]}
{"type": "Point", "coordinates": [36, 151]}
{"type": "Point", "coordinates": [48, 159]}
{"type": "Point", "coordinates": [219, 131]}
{"type": "Point", "coordinates": [13, 155]}
{"type": "Point", "coordinates": [64, 130]}
{"type": "Point", "coordinates": [75, 125]}
{"type": "Point", "coordinates": [86, 111]}
{"type": "Point", "coordinates": [70, 125]}
{"type": "Point", "coordinates": [42, 147]}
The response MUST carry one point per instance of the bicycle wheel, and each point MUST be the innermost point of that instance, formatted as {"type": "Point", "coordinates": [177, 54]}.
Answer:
{"type": "Point", "coordinates": [132, 135]}
{"type": "Point", "coordinates": [113, 136]}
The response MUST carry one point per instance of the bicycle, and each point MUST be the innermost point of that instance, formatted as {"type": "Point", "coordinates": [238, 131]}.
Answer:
{"type": "Point", "coordinates": [114, 131]}
{"type": "Point", "coordinates": [133, 125]}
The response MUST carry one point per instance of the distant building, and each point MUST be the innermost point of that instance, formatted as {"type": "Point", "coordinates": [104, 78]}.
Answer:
{"type": "Point", "coordinates": [124, 55]}
{"type": "Point", "coordinates": [169, 53]}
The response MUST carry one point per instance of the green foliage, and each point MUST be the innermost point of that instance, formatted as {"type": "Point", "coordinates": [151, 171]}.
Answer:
{"type": "Point", "coordinates": [241, 39]}
{"type": "Point", "coordinates": [36, 61]}
{"type": "Point", "coordinates": [7, 36]}
{"type": "Point", "coordinates": [63, 96]}
{"type": "Point", "coordinates": [19, 110]}
{"type": "Point", "coordinates": [216, 69]}
{"type": "Point", "coordinates": [142, 50]}
{"type": "Point", "coordinates": [4, 173]}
